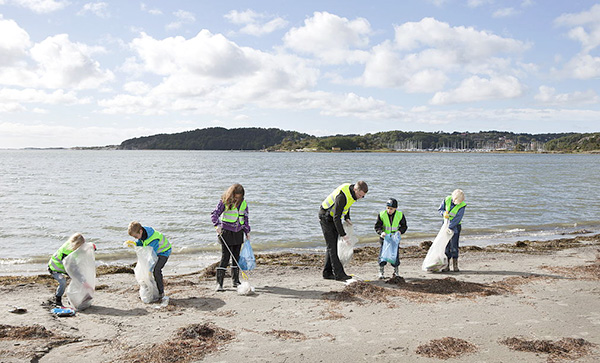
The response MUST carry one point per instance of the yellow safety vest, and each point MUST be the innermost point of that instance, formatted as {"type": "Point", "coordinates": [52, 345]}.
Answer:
{"type": "Point", "coordinates": [234, 214]}
{"type": "Point", "coordinates": [454, 210]}
{"type": "Point", "coordinates": [390, 227]}
{"type": "Point", "coordinates": [330, 200]}
{"type": "Point", "coordinates": [55, 263]}
{"type": "Point", "coordinates": [163, 243]}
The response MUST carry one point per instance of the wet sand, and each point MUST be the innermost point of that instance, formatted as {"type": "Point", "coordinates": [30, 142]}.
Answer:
{"type": "Point", "coordinates": [529, 301]}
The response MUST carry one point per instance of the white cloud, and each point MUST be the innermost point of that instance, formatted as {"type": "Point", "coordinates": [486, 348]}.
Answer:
{"type": "Point", "coordinates": [475, 89]}
{"type": "Point", "coordinates": [504, 13]}
{"type": "Point", "coordinates": [548, 95]}
{"type": "Point", "coordinates": [18, 135]}
{"type": "Point", "coordinates": [29, 95]}
{"type": "Point", "coordinates": [478, 3]}
{"type": "Point", "coordinates": [40, 6]}
{"type": "Point", "coordinates": [14, 42]}
{"type": "Point", "coordinates": [585, 27]}
{"type": "Point", "coordinates": [152, 11]}
{"type": "Point", "coordinates": [330, 38]}
{"type": "Point", "coordinates": [184, 17]}
{"type": "Point", "coordinates": [254, 23]}
{"type": "Point", "coordinates": [64, 64]}
{"type": "Point", "coordinates": [100, 9]}
{"type": "Point", "coordinates": [583, 66]}
{"type": "Point", "coordinates": [424, 56]}
{"type": "Point", "coordinates": [55, 62]}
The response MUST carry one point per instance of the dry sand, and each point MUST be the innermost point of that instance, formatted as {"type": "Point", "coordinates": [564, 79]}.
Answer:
{"type": "Point", "coordinates": [538, 302]}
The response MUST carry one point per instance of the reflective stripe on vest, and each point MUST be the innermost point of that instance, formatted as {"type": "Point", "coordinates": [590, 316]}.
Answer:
{"type": "Point", "coordinates": [393, 226]}
{"type": "Point", "coordinates": [163, 243]}
{"type": "Point", "coordinates": [234, 214]}
{"type": "Point", "coordinates": [55, 264]}
{"type": "Point", "coordinates": [454, 210]}
{"type": "Point", "coordinates": [330, 200]}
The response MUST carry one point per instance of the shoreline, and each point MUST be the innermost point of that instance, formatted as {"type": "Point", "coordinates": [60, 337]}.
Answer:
{"type": "Point", "coordinates": [511, 295]}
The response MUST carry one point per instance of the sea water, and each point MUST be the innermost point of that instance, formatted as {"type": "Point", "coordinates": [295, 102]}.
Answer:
{"type": "Point", "coordinates": [47, 195]}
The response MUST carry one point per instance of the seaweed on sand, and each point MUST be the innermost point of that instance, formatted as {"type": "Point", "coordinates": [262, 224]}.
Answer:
{"type": "Point", "coordinates": [446, 348]}
{"type": "Point", "coordinates": [191, 343]}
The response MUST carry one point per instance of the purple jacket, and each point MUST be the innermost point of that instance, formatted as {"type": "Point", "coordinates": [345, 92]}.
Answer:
{"type": "Point", "coordinates": [234, 227]}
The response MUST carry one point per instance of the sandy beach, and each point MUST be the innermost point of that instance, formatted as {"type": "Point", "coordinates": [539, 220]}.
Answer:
{"type": "Point", "coordinates": [530, 302]}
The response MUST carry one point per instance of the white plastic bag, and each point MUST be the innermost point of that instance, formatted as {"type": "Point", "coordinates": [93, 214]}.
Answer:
{"type": "Point", "coordinates": [436, 258]}
{"type": "Point", "coordinates": [144, 273]}
{"type": "Point", "coordinates": [346, 250]}
{"type": "Point", "coordinates": [81, 267]}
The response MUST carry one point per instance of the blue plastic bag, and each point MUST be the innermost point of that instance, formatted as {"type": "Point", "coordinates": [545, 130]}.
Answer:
{"type": "Point", "coordinates": [389, 250]}
{"type": "Point", "coordinates": [247, 261]}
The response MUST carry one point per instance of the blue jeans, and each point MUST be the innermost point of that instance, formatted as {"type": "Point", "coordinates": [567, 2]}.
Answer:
{"type": "Point", "coordinates": [452, 246]}
{"type": "Point", "coordinates": [62, 282]}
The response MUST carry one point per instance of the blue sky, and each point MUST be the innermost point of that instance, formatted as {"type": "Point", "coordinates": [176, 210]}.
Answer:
{"type": "Point", "coordinates": [78, 73]}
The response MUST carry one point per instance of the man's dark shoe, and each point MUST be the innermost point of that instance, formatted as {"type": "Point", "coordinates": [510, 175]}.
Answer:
{"type": "Point", "coordinates": [343, 278]}
{"type": "Point", "coordinates": [328, 276]}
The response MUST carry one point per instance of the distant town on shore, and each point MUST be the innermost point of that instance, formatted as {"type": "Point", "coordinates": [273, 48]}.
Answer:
{"type": "Point", "coordinates": [274, 139]}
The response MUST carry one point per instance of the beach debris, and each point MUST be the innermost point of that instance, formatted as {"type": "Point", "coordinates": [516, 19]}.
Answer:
{"type": "Point", "coordinates": [245, 289]}
{"type": "Point", "coordinates": [17, 310]}
{"type": "Point", "coordinates": [586, 272]}
{"type": "Point", "coordinates": [191, 343]}
{"type": "Point", "coordinates": [24, 332]}
{"type": "Point", "coordinates": [446, 348]}
{"type": "Point", "coordinates": [563, 349]}
{"type": "Point", "coordinates": [63, 311]}
{"type": "Point", "coordinates": [287, 334]}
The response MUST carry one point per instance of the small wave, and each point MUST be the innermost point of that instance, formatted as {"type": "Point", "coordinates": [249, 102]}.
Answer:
{"type": "Point", "coordinates": [14, 261]}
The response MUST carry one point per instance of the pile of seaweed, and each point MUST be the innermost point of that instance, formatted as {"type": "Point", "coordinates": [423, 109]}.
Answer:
{"type": "Point", "coordinates": [446, 348]}
{"type": "Point", "coordinates": [426, 290]}
{"type": "Point", "coordinates": [191, 343]}
{"type": "Point", "coordinates": [564, 349]}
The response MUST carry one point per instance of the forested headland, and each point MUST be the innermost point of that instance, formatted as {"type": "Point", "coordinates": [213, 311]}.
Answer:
{"type": "Point", "coordinates": [273, 139]}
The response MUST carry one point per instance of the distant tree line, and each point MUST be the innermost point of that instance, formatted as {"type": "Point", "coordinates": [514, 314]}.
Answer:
{"type": "Point", "coordinates": [271, 139]}
{"type": "Point", "coordinates": [214, 138]}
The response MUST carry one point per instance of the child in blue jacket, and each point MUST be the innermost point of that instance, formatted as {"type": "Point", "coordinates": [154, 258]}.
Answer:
{"type": "Point", "coordinates": [147, 236]}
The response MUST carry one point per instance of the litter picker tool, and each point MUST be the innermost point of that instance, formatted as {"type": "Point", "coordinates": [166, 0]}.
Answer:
{"type": "Point", "coordinates": [244, 288]}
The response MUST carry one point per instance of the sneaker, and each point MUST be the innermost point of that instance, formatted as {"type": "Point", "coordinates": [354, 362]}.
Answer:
{"type": "Point", "coordinates": [219, 288]}
{"type": "Point", "coordinates": [380, 276]}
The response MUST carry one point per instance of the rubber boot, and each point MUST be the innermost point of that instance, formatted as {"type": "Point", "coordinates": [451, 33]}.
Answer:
{"type": "Point", "coordinates": [58, 301]}
{"type": "Point", "coordinates": [455, 265]}
{"type": "Point", "coordinates": [220, 277]}
{"type": "Point", "coordinates": [235, 276]}
{"type": "Point", "coordinates": [395, 271]}
{"type": "Point", "coordinates": [380, 276]}
{"type": "Point", "coordinates": [447, 267]}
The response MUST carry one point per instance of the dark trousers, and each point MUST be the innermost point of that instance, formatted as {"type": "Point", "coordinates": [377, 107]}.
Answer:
{"type": "Point", "coordinates": [234, 241]}
{"type": "Point", "coordinates": [333, 266]}
{"type": "Point", "coordinates": [452, 246]}
{"type": "Point", "coordinates": [158, 276]}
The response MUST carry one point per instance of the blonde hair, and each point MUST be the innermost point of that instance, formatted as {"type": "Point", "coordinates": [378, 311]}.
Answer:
{"type": "Point", "coordinates": [228, 197]}
{"type": "Point", "coordinates": [458, 196]}
{"type": "Point", "coordinates": [76, 241]}
{"type": "Point", "coordinates": [134, 227]}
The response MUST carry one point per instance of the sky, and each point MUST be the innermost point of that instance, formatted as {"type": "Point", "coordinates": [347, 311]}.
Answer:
{"type": "Point", "coordinates": [81, 73]}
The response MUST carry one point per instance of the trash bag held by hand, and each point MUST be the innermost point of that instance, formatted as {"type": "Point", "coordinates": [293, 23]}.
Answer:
{"type": "Point", "coordinates": [81, 267]}
{"type": "Point", "coordinates": [346, 250]}
{"type": "Point", "coordinates": [389, 250]}
{"type": "Point", "coordinates": [436, 258]}
{"type": "Point", "coordinates": [144, 273]}
{"type": "Point", "coordinates": [247, 261]}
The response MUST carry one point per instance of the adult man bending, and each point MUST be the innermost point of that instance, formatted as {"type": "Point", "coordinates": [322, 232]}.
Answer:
{"type": "Point", "coordinates": [335, 207]}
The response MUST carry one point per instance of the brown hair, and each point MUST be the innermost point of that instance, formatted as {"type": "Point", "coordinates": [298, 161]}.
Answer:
{"type": "Point", "coordinates": [134, 227]}
{"type": "Point", "coordinates": [361, 185]}
{"type": "Point", "coordinates": [228, 197]}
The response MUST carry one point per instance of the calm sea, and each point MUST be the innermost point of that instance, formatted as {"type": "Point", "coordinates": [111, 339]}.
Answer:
{"type": "Point", "coordinates": [46, 195]}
